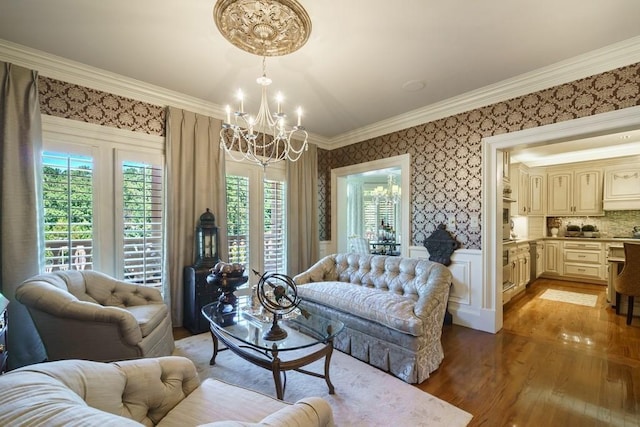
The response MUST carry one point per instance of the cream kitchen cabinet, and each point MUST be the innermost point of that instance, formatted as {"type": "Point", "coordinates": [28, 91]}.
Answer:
{"type": "Point", "coordinates": [537, 194]}
{"type": "Point", "coordinates": [575, 192]}
{"type": "Point", "coordinates": [584, 260]}
{"type": "Point", "coordinates": [539, 258]}
{"type": "Point", "coordinates": [520, 259]}
{"type": "Point", "coordinates": [622, 188]}
{"type": "Point", "coordinates": [520, 189]}
{"type": "Point", "coordinates": [552, 258]}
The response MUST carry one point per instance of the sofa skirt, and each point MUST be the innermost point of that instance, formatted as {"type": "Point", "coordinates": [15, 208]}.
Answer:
{"type": "Point", "coordinates": [410, 358]}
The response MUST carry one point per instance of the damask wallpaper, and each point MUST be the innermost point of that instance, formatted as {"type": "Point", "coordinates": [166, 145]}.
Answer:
{"type": "Point", "coordinates": [446, 158]}
{"type": "Point", "coordinates": [70, 101]}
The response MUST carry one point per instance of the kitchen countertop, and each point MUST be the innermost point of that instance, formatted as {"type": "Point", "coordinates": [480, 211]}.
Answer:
{"type": "Point", "coordinates": [588, 239]}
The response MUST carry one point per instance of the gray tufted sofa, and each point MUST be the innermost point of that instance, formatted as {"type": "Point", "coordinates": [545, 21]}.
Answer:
{"type": "Point", "coordinates": [392, 307]}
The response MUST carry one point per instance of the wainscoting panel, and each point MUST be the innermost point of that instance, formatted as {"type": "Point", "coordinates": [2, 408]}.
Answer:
{"type": "Point", "coordinates": [465, 297]}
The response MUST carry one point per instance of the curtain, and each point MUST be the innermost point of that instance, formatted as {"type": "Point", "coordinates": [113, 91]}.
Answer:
{"type": "Point", "coordinates": [303, 235]}
{"type": "Point", "coordinates": [20, 227]}
{"type": "Point", "coordinates": [195, 181]}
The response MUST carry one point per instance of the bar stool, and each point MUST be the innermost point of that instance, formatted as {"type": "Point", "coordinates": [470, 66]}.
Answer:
{"type": "Point", "coordinates": [628, 281]}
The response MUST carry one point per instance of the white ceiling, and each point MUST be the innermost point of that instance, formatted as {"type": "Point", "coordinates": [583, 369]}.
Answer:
{"type": "Point", "coordinates": [350, 75]}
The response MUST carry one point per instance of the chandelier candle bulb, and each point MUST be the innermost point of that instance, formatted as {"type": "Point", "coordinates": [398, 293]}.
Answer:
{"type": "Point", "coordinates": [279, 101]}
{"type": "Point", "coordinates": [299, 116]}
{"type": "Point", "coordinates": [228, 110]}
{"type": "Point", "coordinates": [241, 99]}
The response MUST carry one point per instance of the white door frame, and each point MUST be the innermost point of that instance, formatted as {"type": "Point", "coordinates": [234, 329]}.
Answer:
{"type": "Point", "coordinates": [339, 198]}
{"type": "Point", "coordinates": [599, 124]}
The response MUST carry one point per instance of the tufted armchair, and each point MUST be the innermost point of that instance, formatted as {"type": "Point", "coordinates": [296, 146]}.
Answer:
{"type": "Point", "coordinates": [89, 315]}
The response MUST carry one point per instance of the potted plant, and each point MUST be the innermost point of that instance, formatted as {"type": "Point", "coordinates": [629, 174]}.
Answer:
{"type": "Point", "coordinates": [587, 230]}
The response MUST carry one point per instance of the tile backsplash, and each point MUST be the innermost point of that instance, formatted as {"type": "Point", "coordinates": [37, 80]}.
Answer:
{"type": "Point", "coordinates": [612, 224]}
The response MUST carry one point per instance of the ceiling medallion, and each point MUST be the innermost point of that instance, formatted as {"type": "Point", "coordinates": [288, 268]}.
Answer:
{"type": "Point", "coordinates": [263, 27]}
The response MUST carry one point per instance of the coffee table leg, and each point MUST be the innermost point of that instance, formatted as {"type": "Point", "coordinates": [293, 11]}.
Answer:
{"type": "Point", "coordinates": [327, 361]}
{"type": "Point", "coordinates": [275, 370]}
{"type": "Point", "coordinates": [215, 348]}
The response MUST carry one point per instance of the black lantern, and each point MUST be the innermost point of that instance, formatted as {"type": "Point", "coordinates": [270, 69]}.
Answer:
{"type": "Point", "coordinates": [207, 241]}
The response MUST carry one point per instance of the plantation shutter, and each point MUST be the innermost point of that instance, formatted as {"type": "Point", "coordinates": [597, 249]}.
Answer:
{"type": "Point", "coordinates": [68, 211]}
{"type": "Point", "coordinates": [238, 218]}
{"type": "Point", "coordinates": [142, 219]}
{"type": "Point", "coordinates": [274, 227]}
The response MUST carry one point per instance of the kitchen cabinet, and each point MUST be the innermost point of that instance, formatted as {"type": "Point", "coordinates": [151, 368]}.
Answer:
{"type": "Point", "coordinates": [575, 192]}
{"type": "Point", "coordinates": [552, 258]}
{"type": "Point", "coordinates": [520, 189]}
{"type": "Point", "coordinates": [539, 259]}
{"type": "Point", "coordinates": [520, 260]}
{"type": "Point", "coordinates": [537, 194]}
{"type": "Point", "coordinates": [584, 260]}
{"type": "Point", "coordinates": [622, 188]}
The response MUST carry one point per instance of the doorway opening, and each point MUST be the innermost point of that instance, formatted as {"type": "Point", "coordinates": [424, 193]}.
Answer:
{"type": "Point", "coordinates": [366, 195]}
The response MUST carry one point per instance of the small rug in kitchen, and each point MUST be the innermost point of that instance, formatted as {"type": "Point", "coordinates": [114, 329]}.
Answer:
{"type": "Point", "coordinates": [364, 396]}
{"type": "Point", "coordinates": [570, 297]}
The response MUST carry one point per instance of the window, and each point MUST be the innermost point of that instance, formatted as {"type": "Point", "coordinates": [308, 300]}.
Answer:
{"type": "Point", "coordinates": [256, 212]}
{"type": "Point", "coordinates": [141, 222]}
{"type": "Point", "coordinates": [68, 211]}
{"type": "Point", "coordinates": [102, 201]}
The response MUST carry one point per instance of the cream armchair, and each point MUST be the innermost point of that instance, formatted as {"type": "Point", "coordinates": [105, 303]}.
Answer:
{"type": "Point", "coordinates": [163, 391]}
{"type": "Point", "coordinates": [89, 315]}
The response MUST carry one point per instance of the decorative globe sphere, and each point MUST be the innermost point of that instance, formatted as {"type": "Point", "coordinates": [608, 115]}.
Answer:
{"type": "Point", "coordinates": [278, 295]}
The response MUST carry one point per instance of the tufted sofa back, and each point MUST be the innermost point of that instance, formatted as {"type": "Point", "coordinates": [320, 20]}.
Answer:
{"type": "Point", "coordinates": [80, 392]}
{"type": "Point", "coordinates": [98, 288]}
{"type": "Point", "coordinates": [406, 276]}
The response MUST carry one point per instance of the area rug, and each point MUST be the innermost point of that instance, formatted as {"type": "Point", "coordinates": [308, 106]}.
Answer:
{"type": "Point", "coordinates": [364, 396]}
{"type": "Point", "coordinates": [570, 297]}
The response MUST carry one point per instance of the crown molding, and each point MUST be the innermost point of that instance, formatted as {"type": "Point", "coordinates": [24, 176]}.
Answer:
{"type": "Point", "coordinates": [608, 58]}
{"type": "Point", "coordinates": [614, 56]}
{"type": "Point", "coordinates": [59, 68]}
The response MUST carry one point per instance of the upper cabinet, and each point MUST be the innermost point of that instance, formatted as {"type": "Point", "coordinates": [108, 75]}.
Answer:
{"type": "Point", "coordinates": [529, 190]}
{"type": "Point", "coordinates": [622, 188]}
{"type": "Point", "coordinates": [537, 193]}
{"type": "Point", "coordinates": [575, 192]}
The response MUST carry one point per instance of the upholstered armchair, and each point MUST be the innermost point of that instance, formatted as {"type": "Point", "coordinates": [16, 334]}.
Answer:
{"type": "Point", "coordinates": [89, 315]}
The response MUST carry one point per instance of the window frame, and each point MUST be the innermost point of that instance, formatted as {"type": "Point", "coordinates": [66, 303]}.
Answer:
{"type": "Point", "coordinates": [103, 144]}
{"type": "Point", "coordinates": [256, 173]}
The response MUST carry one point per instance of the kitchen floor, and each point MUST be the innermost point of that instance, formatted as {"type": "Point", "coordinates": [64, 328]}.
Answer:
{"type": "Point", "coordinates": [553, 364]}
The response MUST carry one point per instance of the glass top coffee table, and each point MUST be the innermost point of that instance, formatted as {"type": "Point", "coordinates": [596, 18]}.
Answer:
{"type": "Point", "coordinates": [308, 339]}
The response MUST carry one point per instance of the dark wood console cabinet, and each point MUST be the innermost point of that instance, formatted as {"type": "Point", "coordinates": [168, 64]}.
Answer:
{"type": "Point", "coordinates": [4, 323]}
{"type": "Point", "coordinates": [197, 294]}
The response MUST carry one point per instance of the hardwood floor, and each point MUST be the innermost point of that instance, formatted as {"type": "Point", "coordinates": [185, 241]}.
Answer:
{"type": "Point", "coordinates": [552, 364]}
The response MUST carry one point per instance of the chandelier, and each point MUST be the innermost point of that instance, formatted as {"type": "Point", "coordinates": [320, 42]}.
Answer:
{"type": "Point", "coordinates": [389, 195]}
{"type": "Point", "coordinates": [264, 28]}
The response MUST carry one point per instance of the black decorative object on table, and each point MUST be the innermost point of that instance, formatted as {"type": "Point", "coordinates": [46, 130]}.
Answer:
{"type": "Point", "coordinates": [440, 246]}
{"type": "Point", "coordinates": [227, 278]}
{"type": "Point", "coordinates": [278, 295]}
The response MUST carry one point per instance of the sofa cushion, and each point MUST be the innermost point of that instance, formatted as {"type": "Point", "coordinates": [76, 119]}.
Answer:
{"type": "Point", "coordinates": [148, 316]}
{"type": "Point", "coordinates": [231, 403]}
{"type": "Point", "coordinates": [393, 310]}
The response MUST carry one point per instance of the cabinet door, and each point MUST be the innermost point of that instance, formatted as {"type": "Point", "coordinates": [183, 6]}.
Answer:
{"type": "Point", "coordinates": [536, 194]}
{"type": "Point", "coordinates": [623, 184]}
{"type": "Point", "coordinates": [539, 259]}
{"type": "Point", "coordinates": [560, 193]}
{"type": "Point", "coordinates": [587, 194]}
{"type": "Point", "coordinates": [552, 257]}
{"type": "Point", "coordinates": [523, 193]}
